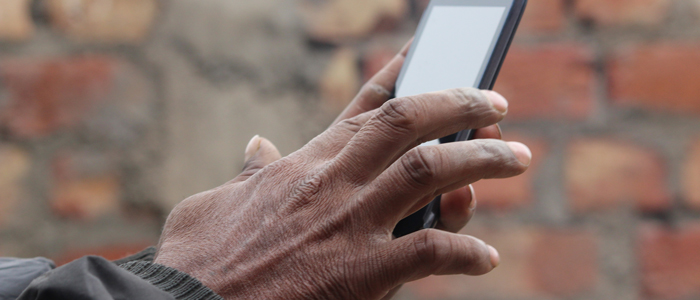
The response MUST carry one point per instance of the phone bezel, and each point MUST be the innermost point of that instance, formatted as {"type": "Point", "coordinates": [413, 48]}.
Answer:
{"type": "Point", "coordinates": [428, 216]}
{"type": "Point", "coordinates": [503, 42]}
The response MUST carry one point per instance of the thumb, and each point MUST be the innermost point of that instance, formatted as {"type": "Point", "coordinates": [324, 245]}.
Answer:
{"type": "Point", "coordinates": [259, 153]}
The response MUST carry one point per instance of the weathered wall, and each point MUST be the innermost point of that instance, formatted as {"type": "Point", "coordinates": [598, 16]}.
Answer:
{"type": "Point", "coordinates": [112, 111]}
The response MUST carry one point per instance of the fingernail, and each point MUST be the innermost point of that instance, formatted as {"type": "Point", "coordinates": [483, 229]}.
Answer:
{"type": "Point", "coordinates": [497, 101]}
{"type": "Point", "coordinates": [472, 205]}
{"type": "Point", "coordinates": [495, 258]}
{"type": "Point", "coordinates": [522, 152]}
{"type": "Point", "coordinates": [500, 132]}
{"type": "Point", "coordinates": [253, 146]}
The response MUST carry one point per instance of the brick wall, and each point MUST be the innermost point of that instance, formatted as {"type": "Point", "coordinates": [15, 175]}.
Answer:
{"type": "Point", "coordinates": [112, 111]}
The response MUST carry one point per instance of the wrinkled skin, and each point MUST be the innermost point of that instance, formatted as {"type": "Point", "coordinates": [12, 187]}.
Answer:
{"type": "Point", "coordinates": [317, 224]}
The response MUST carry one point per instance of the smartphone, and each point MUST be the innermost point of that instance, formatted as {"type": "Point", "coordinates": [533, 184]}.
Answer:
{"type": "Point", "coordinates": [459, 43]}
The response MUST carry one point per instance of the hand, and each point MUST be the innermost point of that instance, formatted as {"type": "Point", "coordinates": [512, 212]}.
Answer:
{"type": "Point", "coordinates": [318, 223]}
{"type": "Point", "coordinates": [457, 207]}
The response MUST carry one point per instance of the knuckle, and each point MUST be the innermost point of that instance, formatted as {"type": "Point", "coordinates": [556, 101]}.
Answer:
{"type": "Point", "coordinates": [473, 102]}
{"type": "Point", "coordinates": [306, 191]}
{"type": "Point", "coordinates": [469, 94]}
{"type": "Point", "coordinates": [398, 114]}
{"type": "Point", "coordinates": [425, 247]}
{"type": "Point", "coordinates": [500, 159]}
{"type": "Point", "coordinates": [490, 149]}
{"type": "Point", "coordinates": [476, 259]}
{"type": "Point", "coordinates": [350, 125]}
{"type": "Point", "coordinates": [419, 167]}
{"type": "Point", "coordinates": [470, 98]}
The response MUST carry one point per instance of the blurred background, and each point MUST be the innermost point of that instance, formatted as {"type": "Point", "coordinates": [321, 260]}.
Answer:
{"type": "Point", "coordinates": [113, 111]}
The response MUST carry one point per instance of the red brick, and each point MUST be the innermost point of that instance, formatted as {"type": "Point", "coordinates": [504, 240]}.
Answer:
{"type": "Point", "coordinates": [515, 192]}
{"type": "Point", "coordinates": [341, 80]}
{"type": "Point", "coordinates": [110, 252]}
{"type": "Point", "coordinates": [116, 21]}
{"type": "Point", "coordinates": [691, 177]}
{"type": "Point", "coordinates": [564, 262]}
{"type": "Point", "coordinates": [375, 60]}
{"type": "Point", "coordinates": [669, 261]}
{"type": "Point", "coordinates": [657, 77]}
{"type": "Point", "coordinates": [14, 165]}
{"type": "Point", "coordinates": [548, 82]}
{"type": "Point", "coordinates": [335, 20]}
{"type": "Point", "coordinates": [15, 20]}
{"type": "Point", "coordinates": [543, 16]}
{"type": "Point", "coordinates": [84, 186]}
{"type": "Point", "coordinates": [603, 174]}
{"type": "Point", "coordinates": [48, 95]}
{"type": "Point", "coordinates": [535, 264]}
{"type": "Point", "coordinates": [86, 198]}
{"type": "Point", "coordinates": [623, 12]}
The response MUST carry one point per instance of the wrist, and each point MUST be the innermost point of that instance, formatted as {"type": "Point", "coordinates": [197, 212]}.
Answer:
{"type": "Point", "coordinates": [179, 284]}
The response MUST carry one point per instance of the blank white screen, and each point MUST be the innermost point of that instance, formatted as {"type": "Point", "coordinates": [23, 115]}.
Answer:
{"type": "Point", "coordinates": [452, 49]}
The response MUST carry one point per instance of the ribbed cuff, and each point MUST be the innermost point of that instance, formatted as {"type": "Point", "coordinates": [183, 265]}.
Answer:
{"type": "Point", "coordinates": [178, 284]}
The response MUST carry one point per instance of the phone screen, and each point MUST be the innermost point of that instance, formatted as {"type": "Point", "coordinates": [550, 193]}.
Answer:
{"type": "Point", "coordinates": [453, 46]}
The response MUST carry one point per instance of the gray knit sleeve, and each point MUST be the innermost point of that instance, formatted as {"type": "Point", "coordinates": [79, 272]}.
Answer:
{"type": "Point", "coordinates": [178, 284]}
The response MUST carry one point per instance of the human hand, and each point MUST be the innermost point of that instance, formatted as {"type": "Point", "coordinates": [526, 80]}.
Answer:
{"type": "Point", "coordinates": [318, 223]}
{"type": "Point", "coordinates": [456, 207]}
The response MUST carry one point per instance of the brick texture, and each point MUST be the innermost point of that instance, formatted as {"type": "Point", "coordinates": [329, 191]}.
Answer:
{"type": "Point", "coordinates": [86, 198]}
{"type": "Point", "coordinates": [543, 17]}
{"type": "Point", "coordinates": [14, 165]}
{"type": "Point", "coordinates": [553, 82]}
{"type": "Point", "coordinates": [112, 111]}
{"type": "Point", "coordinates": [341, 80]}
{"type": "Point", "coordinates": [335, 20]}
{"type": "Point", "coordinates": [669, 261]}
{"type": "Point", "coordinates": [15, 20]}
{"type": "Point", "coordinates": [564, 262]}
{"type": "Point", "coordinates": [603, 174]}
{"type": "Point", "coordinates": [514, 192]}
{"type": "Point", "coordinates": [115, 21]}
{"type": "Point", "coordinates": [623, 12]}
{"type": "Point", "coordinates": [657, 77]}
{"type": "Point", "coordinates": [691, 177]}
{"type": "Point", "coordinates": [85, 186]}
{"type": "Point", "coordinates": [48, 95]}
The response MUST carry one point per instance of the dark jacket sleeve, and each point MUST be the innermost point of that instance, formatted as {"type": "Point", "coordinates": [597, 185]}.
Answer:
{"type": "Point", "coordinates": [93, 277]}
{"type": "Point", "coordinates": [16, 274]}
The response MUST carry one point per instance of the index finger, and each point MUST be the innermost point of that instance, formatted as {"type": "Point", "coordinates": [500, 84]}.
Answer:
{"type": "Point", "coordinates": [377, 90]}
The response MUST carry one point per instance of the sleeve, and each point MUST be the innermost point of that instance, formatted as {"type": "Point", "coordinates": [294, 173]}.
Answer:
{"type": "Point", "coordinates": [93, 277]}
{"type": "Point", "coordinates": [16, 274]}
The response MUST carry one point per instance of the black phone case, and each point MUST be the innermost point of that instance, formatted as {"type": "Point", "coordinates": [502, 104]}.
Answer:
{"type": "Point", "coordinates": [428, 216]}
